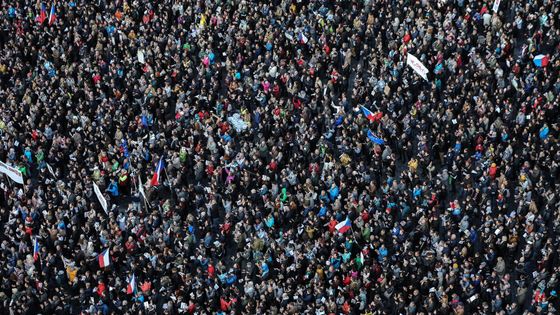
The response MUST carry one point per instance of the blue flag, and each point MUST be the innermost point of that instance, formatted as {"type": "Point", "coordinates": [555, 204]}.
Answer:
{"type": "Point", "coordinates": [339, 121]}
{"type": "Point", "coordinates": [375, 139]}
{"type": "Point", "coordinates": [124, 145]}
{"type": "Point", "coordinates": [544, 132]}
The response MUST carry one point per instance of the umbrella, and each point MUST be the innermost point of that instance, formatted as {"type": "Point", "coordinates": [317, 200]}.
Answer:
{"type": "Point", "coordinates": [540, 60]}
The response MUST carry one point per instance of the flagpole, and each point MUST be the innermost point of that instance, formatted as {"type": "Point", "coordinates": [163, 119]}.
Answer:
{"type": "Point", "coordinates": [354, 236]}
{"type": "Point", "coordinates": [143, 194]}
{"type": "Point", "coordinates": [171, 191]}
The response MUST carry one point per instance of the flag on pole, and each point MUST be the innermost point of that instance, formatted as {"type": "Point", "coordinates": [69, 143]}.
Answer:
{"type": "Point", "coordinates": [156, 176]}
{"type": "Point", "coordinates": [104, 259]}
{"type": "Point", "coordinates": [36, 249]}
{"type": "Point", "coordinates": [371, 116]}
{"type": "Point", "coordinates": [344, 226]}
{"type": "Point", "coordinates": [302, 38]}
{"type": "Point", "coordinates": [42, 15]}
{"type": "Point", "coordinates": [52, 15]}
{"type": "Point", "coordinates": [131, 287]}
{"type": "Point", "coordinates": [375, 139]}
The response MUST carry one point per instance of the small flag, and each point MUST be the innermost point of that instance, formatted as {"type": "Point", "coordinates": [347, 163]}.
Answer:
{"type": "Point", "coordinates": [156, 176]}
{"type": "Point", "coordinates": [541, 61]}
{"type": "Point", "coordinates": [344, 226]}
{"type": "Point", "coordinates": [52, 15]}
{"type": "Point", "coordinates": [371, 116]}
{"type": "Point", "coordinates": [302, 38]}
{"type": "Point", "coordinates": [36, 249]}
{"type": "Point", "coordinates": [104, 259]}
{"type": "Point", "coordinates": [375, 139]}
{"type": "Point", "coordinates": [42, 15]}
{"type": "Point", "coordinates": [131, 287]}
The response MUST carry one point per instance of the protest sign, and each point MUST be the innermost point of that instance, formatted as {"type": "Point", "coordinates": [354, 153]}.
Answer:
{"type": "Point", "coordinates": [12, 172]}
{"type": "Point", "coordinates": [102, 199]}
{"type": "Point", "coordinates": [417, 66]}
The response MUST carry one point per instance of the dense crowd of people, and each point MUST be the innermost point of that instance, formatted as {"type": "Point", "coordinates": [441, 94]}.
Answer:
{"type": "Point", "coordinates": [244, 173]}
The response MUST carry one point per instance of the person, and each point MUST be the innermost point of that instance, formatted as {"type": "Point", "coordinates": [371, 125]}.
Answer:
{"type": "Point", "coordinates": [280, 157]}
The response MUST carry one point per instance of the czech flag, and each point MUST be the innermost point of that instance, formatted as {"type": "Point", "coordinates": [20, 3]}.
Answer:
{"type": "Point", "coordinates": [36, 250]}
{"type": "Point", "coordinates": [42, 15]}
{"type": "Point", "coordinates": [344, 226]}
{"type": "Point", "coordinates": [159, 169]}
{"type": "Point", "coordinates": [104, 259]}
{"type": "Point", "coordinates": [541, 61]}
{"type": "Point", "coordinates": [52, 15]}
{"type": "Point", "coordinates": [302, 38]}
{"type": "Point", "coordinates": [371, 116]}
{"type": "Point", "coordinates": [374, 139]}
{"type": "Point", "coordinates": [131, 287]}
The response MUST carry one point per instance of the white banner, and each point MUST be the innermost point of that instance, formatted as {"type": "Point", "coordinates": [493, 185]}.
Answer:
{"type": "Point", "coordinates": [140, 55]}
{"type": "Point", "coordinates": [496, 5]}
{"type": "Point", "coordinates": [11, 172]}
{"type": "Point", "coordinates": [102, 199]}
{"type": "Point", "coordinates": [415, 64]}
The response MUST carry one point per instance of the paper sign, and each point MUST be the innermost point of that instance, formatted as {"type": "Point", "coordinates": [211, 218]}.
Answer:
{"type": "Point", "coordinates": [496, 5]}
{"type": "Point", "coordinates": [140, 56]}
{"type": "Point", "coordinates": [102, 199]}
{"type": "Point", "coordinates": [417, 66]}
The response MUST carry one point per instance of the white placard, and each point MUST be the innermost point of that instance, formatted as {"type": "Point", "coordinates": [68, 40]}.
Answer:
{"type": "Point", "coordinates": [417, 66]}
{"type": "Point", "coordinates": [102, 199]}
{"type": "Point", "coordinates": [496, 6]}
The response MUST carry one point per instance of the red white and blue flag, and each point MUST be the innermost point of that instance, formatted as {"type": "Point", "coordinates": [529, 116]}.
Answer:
{"type": "Point", "coordinates": [371, 116]}
{"type": "Point", "coordinates": [344, 226]}
{"type": "Point", "coordinates": [131, 287]}
{"type": "Point", "coordinates": [104, 259]}
{"type": "Point", "coordinates": [156, 176]}
{"type": "Point", "coordinates": [42, 15]}
{"type": "Point", "coordinates": [302, 38]}
{"type": "Point", "coordinates": [36, 249]}
{"type": "Point", "coordinates": [52, 15]}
